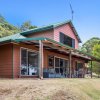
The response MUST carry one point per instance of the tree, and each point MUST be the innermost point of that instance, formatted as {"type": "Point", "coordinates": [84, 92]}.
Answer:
{"type": "Point", "coordinates": [96, 53]}
{"type": "Point", "coordinates": [26, 26]}
{"type": "Point", "coordinates": [88, 45]}
{"type": "Point", "coordinates": [6, 28]}
{"type": "Point", "coordinates": [92, 47]}
{"type": "Point", "coordinates": [2, 19]}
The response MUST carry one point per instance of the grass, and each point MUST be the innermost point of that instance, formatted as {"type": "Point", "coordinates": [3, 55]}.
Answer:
{"type": "Point", "coordinates": [50, 89]}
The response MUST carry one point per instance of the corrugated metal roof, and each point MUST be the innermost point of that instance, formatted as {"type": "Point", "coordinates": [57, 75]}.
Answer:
{"type": "Point", "coordinates": [20, 38]}
{"type": "Point", "coordinates": [52, 26]}
{"type": "Point", "coordinates": [60, 44]}
{"type": "Point", "coordinates": [42, 38]}
{"type": "Point", "coordinates": [12, 37]}
{"type": "Point", "coordinates": [21, 35]}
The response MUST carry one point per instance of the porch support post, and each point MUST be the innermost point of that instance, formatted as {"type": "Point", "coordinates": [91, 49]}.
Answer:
{"type": "Point", "coordinates": [70, 63]}
{"type": "Point", "coordinates": [91, 68]}
{"type": "Point", "coordinates": [41, 62]}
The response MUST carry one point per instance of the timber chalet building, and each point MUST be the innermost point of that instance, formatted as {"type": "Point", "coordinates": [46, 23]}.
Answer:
{"type": "Point", "coordinates": [45, 52]}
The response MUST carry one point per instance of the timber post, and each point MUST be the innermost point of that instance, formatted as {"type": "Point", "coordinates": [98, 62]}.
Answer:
{"type": "Point", "coordinates": [70, 64]}
{"type": "Point", "coordinates": [41, 62]}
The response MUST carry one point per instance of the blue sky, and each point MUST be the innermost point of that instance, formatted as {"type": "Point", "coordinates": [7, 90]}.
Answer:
{"type": "Point", "coordinates": [44, 12]}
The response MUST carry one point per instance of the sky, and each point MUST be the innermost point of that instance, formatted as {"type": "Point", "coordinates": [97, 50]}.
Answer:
{"type": "Point", "coordinates": [43, 12]}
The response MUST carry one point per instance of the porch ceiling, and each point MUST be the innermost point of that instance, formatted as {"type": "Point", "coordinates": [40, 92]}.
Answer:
{"type": "Point", "coordinates": [52, 45]}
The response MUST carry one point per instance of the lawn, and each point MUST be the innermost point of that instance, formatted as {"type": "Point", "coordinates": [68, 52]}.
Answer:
{"type": "Point", "coordinates": [50, 89]}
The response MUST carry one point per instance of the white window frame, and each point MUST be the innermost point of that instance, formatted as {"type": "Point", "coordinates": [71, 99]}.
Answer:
{"type": "Point", "coordinates": [27, 59]}
{"type": "Point", "coordinates": [59, 61]}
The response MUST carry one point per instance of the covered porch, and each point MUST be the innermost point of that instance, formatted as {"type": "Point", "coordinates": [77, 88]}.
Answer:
{"type": "Point", "coordinates": [71, 65]}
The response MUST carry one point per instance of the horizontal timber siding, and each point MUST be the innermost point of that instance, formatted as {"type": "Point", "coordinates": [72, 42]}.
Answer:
{"type": "Point", "coordinates": [47, 34]}
{"type": "Point", "coordinates": [6, 61]}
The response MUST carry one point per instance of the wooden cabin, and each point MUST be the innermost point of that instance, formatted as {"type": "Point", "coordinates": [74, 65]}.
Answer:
{"type": "Point", "coordinates": [44, 52]}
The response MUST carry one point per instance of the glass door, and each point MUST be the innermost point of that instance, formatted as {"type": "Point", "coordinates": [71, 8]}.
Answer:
{"type": "Point", "coordinates": [61, 67]}
{"type": "Point", "coordinates": [32, 63]}
{"type": "Point", "coordinates": [29, 62]}
{"type": "Point", "coordinates": [64, 67]}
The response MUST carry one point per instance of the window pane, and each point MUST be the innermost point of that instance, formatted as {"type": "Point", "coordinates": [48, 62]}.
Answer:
{"type": "Point", "coordinates": [33, 59]}
{"type": "Point", "coordinates": [61, 37]}
{"type": "Point", "coordinates": [80, 65]}
{"type": "Point", "coordinates": [66, 67]}
{"type": "Point", "coordinates": [23, 61]}
{"type": "Point", "coordinates": [51, 61]}
{"type": "Point", "coordinates": [65, 63]}
{"type": "Point", "coordinates": [23, 57]}
{"type": "Point", "coordinates": [32, 63]}
{"type": "Point", "coordinates": [61, 70]}
{"type": "Point", "coordinates": [73, 43]}
{"type": "Point", "coordinates": [56, 62]}
{"type": "Point", "coordinates": [67, 40]}
{"type": "Point", "coordinates": [61, 63]}
{"type": "Point", "coordinates": [29, 62]}
{"type": "Point", "coordinates": [57, 70]}
{"type": "Point", "coordinates": [24, 70]}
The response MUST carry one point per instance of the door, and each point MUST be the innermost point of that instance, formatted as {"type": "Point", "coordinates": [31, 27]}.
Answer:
{"type": "Point", "coordinates": [61, 67]}
{"type": "Point", "coordinates": [32, 63]}
{"type": "Point", "coordinates": [29, 62]}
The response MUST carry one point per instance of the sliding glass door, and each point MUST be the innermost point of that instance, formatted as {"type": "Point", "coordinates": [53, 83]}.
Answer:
{"type": "Point", "coordinates": [29, 62]}
{"type": "Point", "coordinates": [61, 67]}
{"type": "Point", "coordinates": [32, 63]}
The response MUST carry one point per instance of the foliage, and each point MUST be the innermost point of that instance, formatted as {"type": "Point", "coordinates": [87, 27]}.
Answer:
{"type": "Point", "coordinates": [2, 19]}
{"type": "Point", "coordinates": [9, 29]}
{"type": "Point", "coordinates": [6, 28]}
{"type": "Point", "coordinates": [96, 53]}
{"type": "Point", "coordinates": [92, 46]}
{"type": "Point", "coordinates": [96, 50]}
{"type": "Point", "coordinates": [26, 26]}
{"type": "Point", "coordinates": [88, 45]}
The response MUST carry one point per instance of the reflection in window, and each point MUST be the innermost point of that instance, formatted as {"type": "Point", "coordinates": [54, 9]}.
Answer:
{"type": "Point", "coordinates": [57, 70]}
{"type": "Point", "coordinates": [24, 62]}
{"type": "Point", "coordinates": [80, 65]}
{"type": "Point", "coordinates": [58, 66]}
{"type": "Point", "coordinates": [29, 62]}
{"type": "Point", "coordinates": [32, 63]}
{"type": "Point", "coordinates": [51, 61]}
{"type": "Point", "coordinates": [57, 62]}
{"type": "Point", "coordinates": [61, 66]}
{"type": "Point", "coordinates": [61, 62]}
{"type": "Point", "coordinates": [67, 40]}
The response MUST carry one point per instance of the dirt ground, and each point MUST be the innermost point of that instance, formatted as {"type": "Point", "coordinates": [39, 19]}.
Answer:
{"type": "Point", "coordinates": [50, 89]}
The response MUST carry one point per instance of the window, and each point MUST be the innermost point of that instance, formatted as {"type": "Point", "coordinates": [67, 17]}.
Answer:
{"type": "Point", "coordinates": [24, 61]}
{"type": "Point", "coordinates": [51, 61]}
{"type": "Point", "coordinates": [61, 66]}
{"type": "Point", "coordinates": [29, 62]}
{"type": "Point", "coordinates": [61, 62]}
{"type": "Point", "coordinates": [57, 62]}
{"type": "Point", "coordinates": [80, 65]}
{"type": "Point", "coordinates": [67, 40]}
{"type": "Point", "coordinates": [57, 65]}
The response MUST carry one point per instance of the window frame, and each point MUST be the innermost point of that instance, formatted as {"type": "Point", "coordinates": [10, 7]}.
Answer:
{"type": "Point", "coordinates": [48, 61]}
{"type": "Point", "coordinates": [65, 59]}
{"type": "Point", "coordinates": [61, 34]}
{"type": "Point", "coordinates": [28, 50]}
